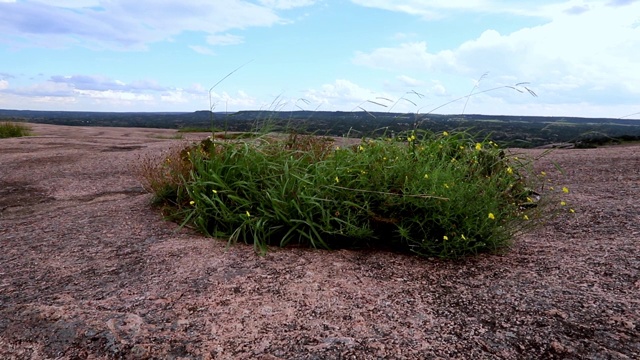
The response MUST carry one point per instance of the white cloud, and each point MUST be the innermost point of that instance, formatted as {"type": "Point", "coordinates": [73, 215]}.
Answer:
{"type": "Point", "coordinates": [101, 83]}
{"type": "Point", "coordinates": [238, 101]}
{"type": "Point", "coordinates": [116, 95]}
{"type": "Point", "coordinates": [127, 24]}
{"type": "Point", "coordinates": [224, 39]}
{"type": "Point", "coordinates": [203, 50]}
{"type": "Point", "coordinates": [175, 96]}
{"type": "Point", "coordinates": [340, 94]}
{"type": "Point", "coordinates": [567, 59]}
{"type": "Point", "coordinates": [409, 81]}
{"type": "Point", "coordinates": [286, 4]}
{"type": "Point", "coordinates": [412, 55]}
{"type": "Point", "coordinates": [435, 9]}
{"type": "Point", "coordinates": [71, 4]}
{"type": "Point", "coordinates": [89, 93]}
{"type": "Point", "coordinates": [48, 88]}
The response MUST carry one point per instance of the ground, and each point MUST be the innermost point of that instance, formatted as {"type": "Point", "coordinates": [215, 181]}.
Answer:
{"type": "Point", "coordinates": [89, 270]}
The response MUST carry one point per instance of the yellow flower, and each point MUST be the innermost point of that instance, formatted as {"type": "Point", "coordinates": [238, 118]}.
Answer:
{"type": "Point", "coordinates": [563, 203]}
{"type": "Point", "coordinates": [463, 238]}
{"type": "Point", "coordinates": [444, 133]}
{"type": "Point", "coordinates": [525, 217]}
{"type": "Point", "coordinates": [572, 211]}
{"type": "Point", "coordinates": [515, 158]}
{"type": "Point", "coordinates": [360, 148]}
{"type": "Point", "coordinates": [337, 148]}
{"type": "Point", "coordinates": [565, 190]}
{"type": "Point", "coordinates": [191, 202]}
{"type": "Point", "coordinates": [509, 170]}
{"type": "Point", "coordinates": [478, 146]}
{"type": "Point", "coordinates": [551, 188]}
{"type": "Point", "coordinates": [248, 215]}
{"type": "Point", "coordinates": [337, 180]}
{"type": "Point", "coordinates": [461, 147]}
{"type": "Point", "coordinates": [446, 186]}
{"type": "Point", "coordinates": [543, 173]}
{"type": "Point", "coordinates": [214, 191]}
{"type": "Point", "coordinates": [426, 176]}
{"type": "Point", "coordinates": [491, 216]}
{"type": "Point", "coordinates": [384, 158]}
{"type": "Point", "coordinates": [445, 238]}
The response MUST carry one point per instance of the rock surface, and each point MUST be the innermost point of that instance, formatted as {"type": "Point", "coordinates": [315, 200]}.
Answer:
{"type": "Point", "coordinates": [88, 270]}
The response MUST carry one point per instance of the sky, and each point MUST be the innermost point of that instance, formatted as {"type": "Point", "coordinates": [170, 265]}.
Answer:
{"type": "Point", "coordinates": [578, 57]}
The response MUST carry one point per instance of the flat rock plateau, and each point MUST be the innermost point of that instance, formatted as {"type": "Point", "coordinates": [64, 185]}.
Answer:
{"type": "Point", "coordinates": [89, 270]}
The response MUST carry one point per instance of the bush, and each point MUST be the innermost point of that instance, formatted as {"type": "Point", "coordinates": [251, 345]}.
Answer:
{"type": "Point", "coordinates": [432, 194]}
{"type": "Point", "coordinates": [9, 129]}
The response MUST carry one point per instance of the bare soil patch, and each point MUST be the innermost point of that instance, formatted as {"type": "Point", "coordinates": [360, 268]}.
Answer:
{"type": "Point", "coordinates": [88, 270]}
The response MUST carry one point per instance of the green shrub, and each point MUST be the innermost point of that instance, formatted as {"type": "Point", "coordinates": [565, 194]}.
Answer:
{"type": "Point", "coordinates": [442, 195]}
{"type": "Point", "coordinates": [10, 129]}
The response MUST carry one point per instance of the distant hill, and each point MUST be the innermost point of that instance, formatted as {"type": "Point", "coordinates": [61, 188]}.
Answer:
{"type": "Point", "coordinates": [521, 131]}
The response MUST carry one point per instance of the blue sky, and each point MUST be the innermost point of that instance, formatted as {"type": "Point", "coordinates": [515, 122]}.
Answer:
{"type": "Point", "coordinates": [581, 57]}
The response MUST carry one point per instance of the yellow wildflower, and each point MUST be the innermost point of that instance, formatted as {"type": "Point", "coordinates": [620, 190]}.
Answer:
{"type": "Point", "coordinates": [509, 170]}
{"type": "Point", "coordinates": [563, 203]}
{"type": "Point", "coordinates": [191, 202]}
{"type": "Point", "coordinates": [214, 191]}
{"type": "Point", "coordinates": [572, 211]}
{"type": "Point", "coordinates": [426, 176]}
{"type": "Point", "coordinates": [337, 180]}
{"type": "Point", "coordinates": [478, 146]}
{"type": "Point", "coordinates": [543, 173]}
{"type": "Point", "coordinates": [444, 133]}
{"type": "Point", "coordinates": [360, 148]}
{"type": "Point", "coordinates": [463, 238]}
{"type": "Point", "coordinates": [248, 215]}
{"type": "Point", "coordinates": [445, 238]}
{"type": "Point", "coordinates": [525, 217]}
{"type": "Point", "coordinates": [565, 190]}
{"type": "Point", "coordinates": [491, 216]}
{"type": "Point", "coordinates": [446, 186]}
